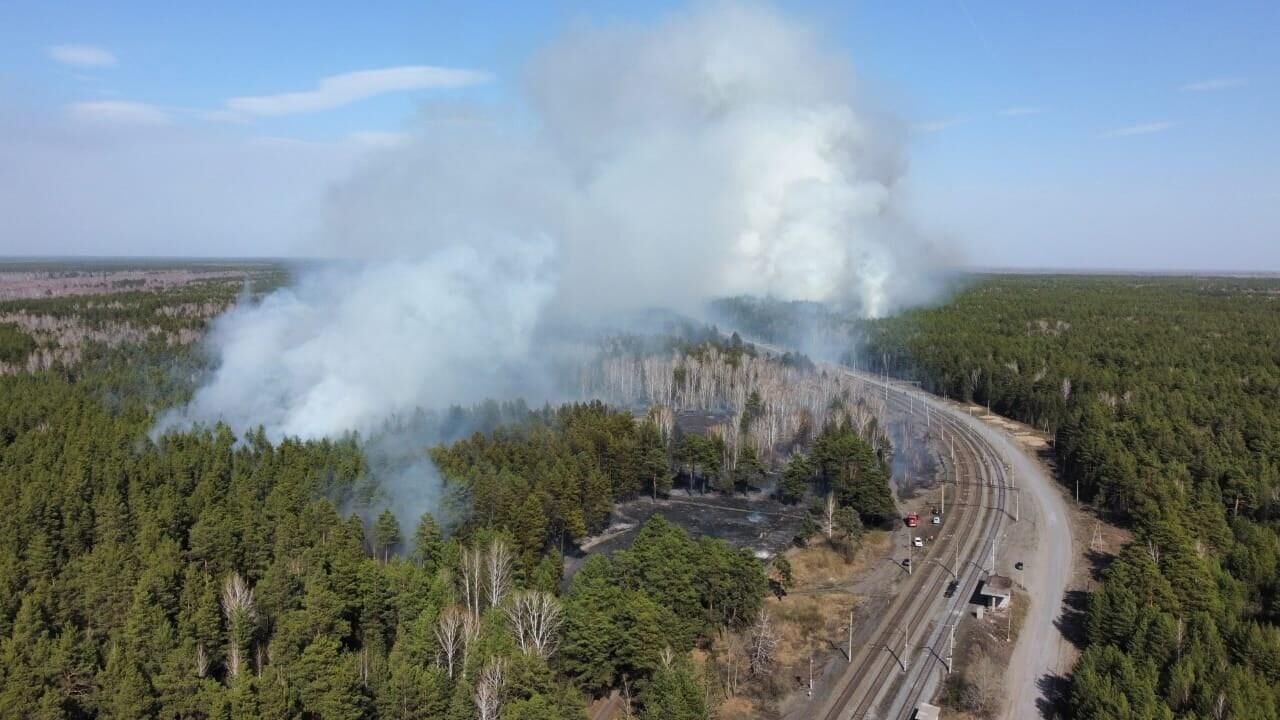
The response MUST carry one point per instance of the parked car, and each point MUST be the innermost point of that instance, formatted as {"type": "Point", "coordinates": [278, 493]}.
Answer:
{"type": "Point", "coordinates": [937, 520]}
{"type": "Point", "coordinates": [951, 588]}
{"type": "Point", "coordinates": [917, 541]}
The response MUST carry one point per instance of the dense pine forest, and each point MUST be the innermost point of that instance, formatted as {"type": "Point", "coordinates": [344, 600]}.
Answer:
{"type": "Point", "coordinates": [200, 574]}
{"type": "Point", "coordinates": [1162, 396]}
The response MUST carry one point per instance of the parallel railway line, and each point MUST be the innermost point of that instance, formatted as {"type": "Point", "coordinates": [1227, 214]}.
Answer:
{"type": "Point", "coordinates": [864, 691]}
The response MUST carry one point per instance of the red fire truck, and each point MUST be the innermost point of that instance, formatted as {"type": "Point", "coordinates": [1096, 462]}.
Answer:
{"type": "Point", "coordinates": [912, 519]}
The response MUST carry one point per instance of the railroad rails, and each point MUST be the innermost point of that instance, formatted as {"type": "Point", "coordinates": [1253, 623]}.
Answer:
{"type": "Point", "coordinates": [889, 675]}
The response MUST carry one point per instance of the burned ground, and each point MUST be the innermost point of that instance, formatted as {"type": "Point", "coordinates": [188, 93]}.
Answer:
{"type": "Point", "coordinates": [756, 522]}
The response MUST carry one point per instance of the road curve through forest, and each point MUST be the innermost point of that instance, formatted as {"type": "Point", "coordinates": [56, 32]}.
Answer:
{"type": "Point", "coordinates": [1039, 654]}
{"type": "Point", "coordinates": [1037, 659]}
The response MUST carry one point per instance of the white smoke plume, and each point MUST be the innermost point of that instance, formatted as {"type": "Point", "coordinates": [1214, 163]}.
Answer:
{"type": "Point", "coordinates": [723, 150]}
{"type": "Point", "coordinates": [350, 346]}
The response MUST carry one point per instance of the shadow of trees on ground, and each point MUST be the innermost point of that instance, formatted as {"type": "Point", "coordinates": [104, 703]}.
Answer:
{"type": "Point", "coordinates": [1055, 691]}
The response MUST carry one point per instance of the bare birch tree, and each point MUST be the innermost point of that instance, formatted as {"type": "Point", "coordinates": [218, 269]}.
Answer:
{"type": "Point", "coordinates": [241, 613]}
{"type": "Point", "coordinates": [535, 618]}
{"type": "Point", "coordinates": [791, 397]}
{"type": "Point", "coordinates": [488, 696]}
{"type": "Point", "coordinates": [202, 661]}
{"type": "Point", "coordinates": [470, 633]}
{"type": "Point", "coordinates": [735, 652]}
{"type": "Point", "coordinates": [471, 573]}
{"type": "Point", "coordinates": [663, 419]}
{"type": "Point", "coordinates": [449, 635]}
{"type": "Point", "coordinates": [498, 568]}
{"type": "Point", "coordinates": [829, 516]}
{"type": "Point", "coordinates": [764, 644]}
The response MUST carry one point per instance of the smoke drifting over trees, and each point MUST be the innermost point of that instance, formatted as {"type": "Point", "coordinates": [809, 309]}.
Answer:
{"type": "Point", "coordinates": [768, 403]}
{"type": "Point", "coordinates": [722, 151]}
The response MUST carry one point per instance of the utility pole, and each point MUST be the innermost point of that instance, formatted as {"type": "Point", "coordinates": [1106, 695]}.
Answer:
{"type": "Point", "coordinates": [951, 651]}
{"type": "Point", "coordinates": [850, 636]}
{"type": "Point", "coordinates": [904, 647]}
{"type": "Point", "coordinates": [1017, 495]}
{"type": "Point", "coordinates": [1008, 615]}
{"type": "Point", "coordinates": [810, 672]}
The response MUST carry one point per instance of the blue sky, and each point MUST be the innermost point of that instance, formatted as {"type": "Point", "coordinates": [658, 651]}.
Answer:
{"type": "Point", "coordinates": [1094, 134]}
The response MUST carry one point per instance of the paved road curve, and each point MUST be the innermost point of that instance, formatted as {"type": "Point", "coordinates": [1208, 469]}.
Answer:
{"type": "Point", "coordinates": [1040, 648]}
{"type": "Point", "coordinates": [1040, 652]}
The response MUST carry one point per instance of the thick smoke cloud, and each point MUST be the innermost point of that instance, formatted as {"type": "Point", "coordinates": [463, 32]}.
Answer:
{"type": "Point", "coordinates": [721, 151]}
{"type": "Point", "coordinates": [349, 347]}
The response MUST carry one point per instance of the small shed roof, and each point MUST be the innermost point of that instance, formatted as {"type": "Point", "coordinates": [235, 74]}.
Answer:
{"type": "Point", "coordinates": [925, 711]}
{"type": "Point", "coordinates": [997, 585]}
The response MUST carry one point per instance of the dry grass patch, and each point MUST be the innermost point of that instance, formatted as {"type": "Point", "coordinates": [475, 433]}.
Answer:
{"type": "Point", "coordinates": [820, 566]}
{"type": "Point", "coordinates": [983, 650]}
{"type": "Point", "coordinates": [736, 708]}
{"type": "Point", "coordinates": [804, 622]}
{"type": "Point", "coordinates": [813, 615]}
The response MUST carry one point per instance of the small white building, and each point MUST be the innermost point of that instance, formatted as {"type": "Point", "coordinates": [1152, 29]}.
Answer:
{"type": "Point", "coordinates": [996, 591]}
{"type": "Point", "coordinates": [925, 711]}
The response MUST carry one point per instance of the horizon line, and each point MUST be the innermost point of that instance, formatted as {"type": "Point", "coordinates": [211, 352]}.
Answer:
{"type": "Point", "coordinates": [970, 269]}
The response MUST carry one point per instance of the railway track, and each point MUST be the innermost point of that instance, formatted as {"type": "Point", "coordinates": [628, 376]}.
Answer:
{"type": "Point", "coordinates": [887, 676]}
{"type": "Point", "coordinates": [935, 656]}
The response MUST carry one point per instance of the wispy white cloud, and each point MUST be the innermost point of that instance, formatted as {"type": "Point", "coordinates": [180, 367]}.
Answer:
{"type": "Point", "coordinates": [1214, 84]}
{"type": "Point", "coordinates": [119, 112]}
{"type": "Point", "coordinates": [82, 56]}
{"type": "Point", "coordinates": [227, 117]}
{"type": "Point", "coordinates": [377, 138]}
{"type": "Point", "coordinates": [1141, 129]}
{"type": "Point", "coordinates": [933, 126]}
{"type": "Point", "coordinates": [359, 141]}
{"type": "Point", "coordinates": [279, 141]}
{"type": "Point", "coordinates": [1020, 110]}
{"type": "Point", "coordinates": [338, 90]}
